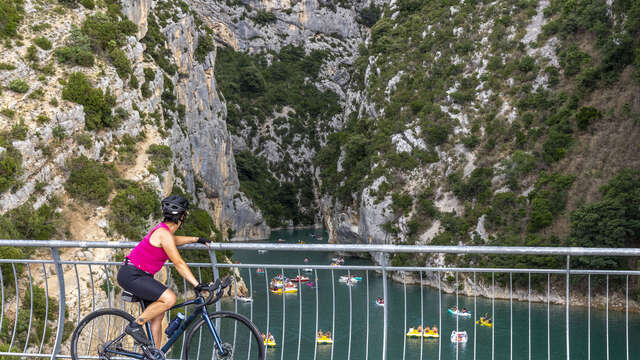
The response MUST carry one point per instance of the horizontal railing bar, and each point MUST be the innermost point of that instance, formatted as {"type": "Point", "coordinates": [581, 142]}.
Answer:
{"type": "Point", "coordinates": [25, 261]}
{"type": "Point", "coordinates": [363, 248]}
{"type": "Point", "coordinates": [352, 267]}
{"type": "Point", "coordinates": [429, 268]}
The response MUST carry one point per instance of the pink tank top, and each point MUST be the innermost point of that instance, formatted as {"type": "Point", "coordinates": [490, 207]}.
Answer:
{"type": "Point", "coordinates": [147, 257]}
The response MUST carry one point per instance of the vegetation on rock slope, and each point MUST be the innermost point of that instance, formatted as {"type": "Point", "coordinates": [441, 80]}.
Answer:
{"type": "Point", "coordinates": [474, 80]}
{"type": "Point", "coordinates": [277, 97]}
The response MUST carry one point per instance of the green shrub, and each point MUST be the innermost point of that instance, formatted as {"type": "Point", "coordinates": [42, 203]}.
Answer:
{"type": "Point", "coordinates": [127, 150]}
{"type": "Point", "coordinates": [527, 64]}
{"type": "Point", "coordinates": [77, 50]}
{"type": "Point", "coordinates": [133, 82]}
{"type": "Point", "coordinates": [18, 131]}
{"type": "Point", "coordinates": [519, 165]}
{"type": "Point", "coordinates": [58, 132]}
{"type": "Point", "coordinates": [89, 4]}
{"type": "Point", "coordinates": [368, 16]}
{"type": "Point", "coordinates": [42, 119]}
{"type": "Point", "coordinates": [8, 113]}
{"type": "Point", "coordinates": [586, 116]}
{"type": "Point", "coordinates": [12, 252]}
{"type": "Point", "coordinates": [7, 66]}
{"type": "Point", "coordinates": [477, 185]}
{"type": "Point", "coordinates": [572, 60]}
{"type": "Point", "coordinates": [97, 105]}
{"type": "Point", "coordinates": [90, 180]}
{"type": "Point", "coordinates": [131, 210]}
{"type": "Point", "coordinates": [437, 134]}
{"type": "Point", "coordinates": [144, 89]}
{"type": "Point", "coordinates": [264, 17]}
{"type": "Point", "coordinates": [25, 222]}
{"type": "Point", "coordinates": [75, 56]}
{"type": "Point", "coordinates": [104, 30]}
{"type": "Point", "coordinates": [85, 140]}
{"type": "Point", "coordinates": [32, 54]}
{"type": "Point", "coordinates": [160, 157]}
{"type": "Point", "coordinates": [19, 86]}
{"type": "Point", "coordinates": [556, 145]}
{"type": "Point", "coordinates": [205, 46]}
{"type": "Point", "coordinates": [149, 74]}
{"type": "Point", "coordinates": [43, 43]}
{"type": "Point", "coordinates": [548, 199]}
{"type": "Point", "coordinates": [121, 62]}
{"type": "Point", "coordinates": [10, 167]}
{"type": "Point", "coordinates": [41, 26]}
{"type": "Point", "coordinates": [401, 202]}
{"type": "Point", "coordinates": [541, 215]}
{"type": "Point", "coordinates": [12, 13]}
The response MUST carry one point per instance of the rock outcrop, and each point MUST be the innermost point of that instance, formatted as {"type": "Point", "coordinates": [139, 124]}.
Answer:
{"type": "Point", "coordinates": [137, 11]}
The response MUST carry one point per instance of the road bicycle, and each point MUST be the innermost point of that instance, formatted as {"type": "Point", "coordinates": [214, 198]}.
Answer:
{"type": "Point", "coordinates": [219, 335]}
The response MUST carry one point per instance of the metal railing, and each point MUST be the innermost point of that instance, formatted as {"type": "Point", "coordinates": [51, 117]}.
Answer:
{"type": "Point", "coordinates": [79, 285]}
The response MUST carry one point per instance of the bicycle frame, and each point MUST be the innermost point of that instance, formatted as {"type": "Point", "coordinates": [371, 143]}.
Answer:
{"type": "Point", "coordinates": [200, 311]}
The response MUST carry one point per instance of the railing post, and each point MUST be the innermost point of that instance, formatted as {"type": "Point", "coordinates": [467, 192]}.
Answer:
{"type": "Point", "coordinates": [386, 305]}
{"type": "Point", "coordinates": [567, 308]}
{"type": "Point", "coordinates": [61, 302]}
{"type": "Point", "coordinates": [214, 268]}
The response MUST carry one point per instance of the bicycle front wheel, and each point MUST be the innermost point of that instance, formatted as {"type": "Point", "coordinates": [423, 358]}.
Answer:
{"type": "Point", "coordinates": [97, 330]}
{"type": "Point", "coordinates": [240, 339]}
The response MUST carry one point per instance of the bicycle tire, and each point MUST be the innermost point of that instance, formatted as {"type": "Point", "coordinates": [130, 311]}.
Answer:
{"type": "Point", "coordinates": [255, 338]}
{"type": "Point", "coordinates": [102, 313]}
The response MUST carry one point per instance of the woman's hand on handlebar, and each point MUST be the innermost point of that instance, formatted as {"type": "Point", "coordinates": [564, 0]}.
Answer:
{"type": "Point", "coordinates": [202, 287]}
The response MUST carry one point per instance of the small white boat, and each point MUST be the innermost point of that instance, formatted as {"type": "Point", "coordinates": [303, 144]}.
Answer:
{"type": "Point", "coordinates": [459, 313]}
{"type": "Point", "coordinates": [459, 336]}
{"type": "Point", "coordinates": [346, 278]}
{"type": "Point", "coordinates": [244, 299]}
{"type": "Point", "coordinates": [307, 270]}
{"type": "Point", "coordinates": [262, 251]}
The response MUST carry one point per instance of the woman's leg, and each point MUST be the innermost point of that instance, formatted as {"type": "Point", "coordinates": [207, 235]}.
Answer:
{"type": "Point", "coordinates": [154, 313]}
{"type": "Point", "coordinates": [156, 330]}
{"type": "Point", "coordinates": [158, 308]}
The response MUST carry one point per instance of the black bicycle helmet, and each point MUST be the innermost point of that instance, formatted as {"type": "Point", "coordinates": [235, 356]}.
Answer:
{"type": "Point", "coordinates": [173, 207]}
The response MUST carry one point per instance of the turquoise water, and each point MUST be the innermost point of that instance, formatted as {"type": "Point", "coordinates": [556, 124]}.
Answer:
{"type": "Point", "coordinates": [351, 307]}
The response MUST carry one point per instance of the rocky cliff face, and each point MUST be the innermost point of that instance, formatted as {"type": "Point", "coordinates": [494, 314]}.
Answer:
{"type": "Point", "coordinates": [203, 145]}
{"type": "Point", "coordinates": [199, 140]}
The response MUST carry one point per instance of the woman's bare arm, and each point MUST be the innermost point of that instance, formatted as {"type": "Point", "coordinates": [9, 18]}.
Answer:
{"type": "Point", "coordinates": [169, 246]}
{"type": "Point", "coordinates": [182, 240]}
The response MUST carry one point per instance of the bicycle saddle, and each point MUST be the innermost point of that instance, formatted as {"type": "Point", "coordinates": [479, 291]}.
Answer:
{"type": "Point", "coordinates": [129, 297]}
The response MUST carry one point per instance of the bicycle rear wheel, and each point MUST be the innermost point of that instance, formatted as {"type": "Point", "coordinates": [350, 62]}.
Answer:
{"type": "Point", "coordinates": [98, 329]}
{"type": "Point", "coordinates": [240, 338]}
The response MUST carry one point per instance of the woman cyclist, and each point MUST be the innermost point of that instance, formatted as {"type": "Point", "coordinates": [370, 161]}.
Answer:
{"type": "Point", "coordinates": [147, 258]}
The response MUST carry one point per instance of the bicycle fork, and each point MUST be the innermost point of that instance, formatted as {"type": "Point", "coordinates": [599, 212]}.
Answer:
{"type": "Point", "coordinates": [214, 333]}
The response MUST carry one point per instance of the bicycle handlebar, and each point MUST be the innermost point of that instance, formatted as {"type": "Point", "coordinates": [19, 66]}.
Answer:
{"type": "Point", "coordinates": [215, 290]}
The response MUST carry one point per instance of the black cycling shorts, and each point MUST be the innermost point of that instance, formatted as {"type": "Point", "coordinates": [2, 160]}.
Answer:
{"type": "Point", "coordinates": [140, 283]}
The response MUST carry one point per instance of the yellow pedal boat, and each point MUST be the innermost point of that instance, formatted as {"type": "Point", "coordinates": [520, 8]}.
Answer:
{"type": "Point", "coordinates": [270, 343]}
{"type": "Point", "coordinates": [324, 340]}
{"type": "Point", "coordinates": [483, 322]}
{"type": "Point", "coordinates": [431, 334]}
{"type": "Point", "coordinates": [286, 291]}
{"type": "Point", "coordinates": [427, 333]}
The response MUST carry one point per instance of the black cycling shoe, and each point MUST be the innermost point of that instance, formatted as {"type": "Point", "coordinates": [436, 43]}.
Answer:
{"type": "Point", "coordinates": [136, 331]}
